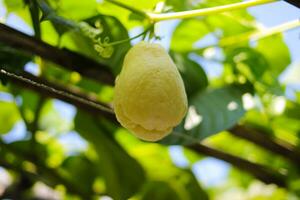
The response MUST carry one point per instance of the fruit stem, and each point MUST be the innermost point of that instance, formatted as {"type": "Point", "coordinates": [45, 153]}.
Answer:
{"type": "Point", "coordinates": [129, 39]}
{"type": "Point", "coordinates": [206, 11]}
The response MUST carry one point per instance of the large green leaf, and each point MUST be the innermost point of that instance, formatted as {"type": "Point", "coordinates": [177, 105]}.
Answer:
{"type": "Point", "coordinates": [73, 37]}
{"type": "Point", "coordinates": [231, 24]}
{"type": "Point", "coordinates": [9, 115]}
{"type": "Point", "coordinates": [182, 186]}
{"type": "Point", "coordinates": [75, 10]}
{"type": "Point", "coordinates": [123, 175]}
{"type": "Point", "coordinates": [187, 33]}
{"type": "Point", "coordinates": [248, 62]}
{"type": "Point", "coordinates": [276, 52]}
{"type": "Point", "coordinates": [160, 190]}
{"type": "Point", "coordinates": [179, 5]}
{"type": "Point", "coordinates": [292, 110]}
{"type": "Point", "coordinates": [13, 5]}
{"type": "Point", "coordinates": [29, 102]}
{"type": "Point", "coordinates": [191, 31]}
{"type": "Point", "coordinates": [193, 75]}
{"type": "Point", "coordinates": [193, 188]}
{"type": "Point", "coordinates": [16, 7]}
{"type": "Point", "coordinates": [112, 30]}
{"type": "Point", "coordinates": [124, 15]}
{"type": "Point", "coordinates": [209, 113]}
{"type": "Point", "coordinates": [81, 166]}
{"type": "Point", "coordinates": [27, 150]}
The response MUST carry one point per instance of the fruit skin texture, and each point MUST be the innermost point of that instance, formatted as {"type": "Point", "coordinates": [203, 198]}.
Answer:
{"type": "Point", "coordinates": [150, 98]}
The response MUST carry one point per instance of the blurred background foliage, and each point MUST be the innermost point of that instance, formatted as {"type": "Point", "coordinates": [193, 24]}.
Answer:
{"type": "Point", "coordinates": [247, 110]}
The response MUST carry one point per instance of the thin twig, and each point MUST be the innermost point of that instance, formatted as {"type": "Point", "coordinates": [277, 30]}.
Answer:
{"type": "Point", "coordinates": [263, 140]}
{"type": "Point", "coordinates": [63, 57]}
{"type": "Point", "coordinates": [261, 172]}
{"type": "Point", "coordinates": [50, 89]}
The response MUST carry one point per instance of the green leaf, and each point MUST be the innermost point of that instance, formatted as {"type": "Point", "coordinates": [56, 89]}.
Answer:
{"type": "Point", "coordinates": [276, 52]}
{"type": "Point", "coordinates": [160, 190]}
{"type": "Point", "coordinates": [16, 7]}
{"type": "Point", "coordinates": [75, 10]}
{"type": "Point", "coordinates": [56, 73]}
{"type": "Point", "coordinates": [183, 185]}
{"type": "Point", "coordinates": [9, 115]}
{"type": "Point", "coordinates": [179, 5]}
{"type": "Point", "coordinates": [194, 77]}
{"type": "Point", "coordinates": [111, 31]}
{"type": "Point", "coordinates": [13, 5]}
{"type": "Point", "coordinates": [123, 175]}
{"type": "Point", "coordinates": [74, 38]}
{"type": "Point", "coordinates": [209, 113]}
{"type": "Point", "coordinates": [229, 25]}
{"type": "Point", "coordinates": [248, 62]}
{"type": "Point", "coordinates": [194, 189]}
{"type": "Point", "coordinates": [26, 149]}
{"type": "Point", "coordinates": [29, 102]}
{"type": "Point", "coordinates": [292, 75]}
{"type": "Point", "coordinates": [187, 33]}
{"type": "Point", "coordinates": [292, 110]}
{"type": "Point", "coordinates": [81, 166]}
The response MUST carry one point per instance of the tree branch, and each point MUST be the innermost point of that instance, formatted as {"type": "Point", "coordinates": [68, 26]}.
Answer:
{"type": "Point", "coordinates": [261, 172]}
{"type": "Point", "coordinates": [48, 89]}
{"type": "Point", "coordinates": [274, 145]}
{"type": "Point", "coordinates": [294, 2]}
{"type": "Point", "coordinates": [63, 57]}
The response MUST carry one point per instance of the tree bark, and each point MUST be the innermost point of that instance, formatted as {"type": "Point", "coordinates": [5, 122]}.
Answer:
{"type": "Point", "coordinates": [261, 172]}
{"type": "Point", "coordinates": [263, 140]}
{"type": "Point", "coordinates": [63, 57]}
{"type": "Point", "coordinates": [49, 89]}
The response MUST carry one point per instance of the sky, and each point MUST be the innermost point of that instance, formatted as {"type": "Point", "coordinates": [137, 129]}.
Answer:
{"type": "Point", "coordinates": [209, 171]}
